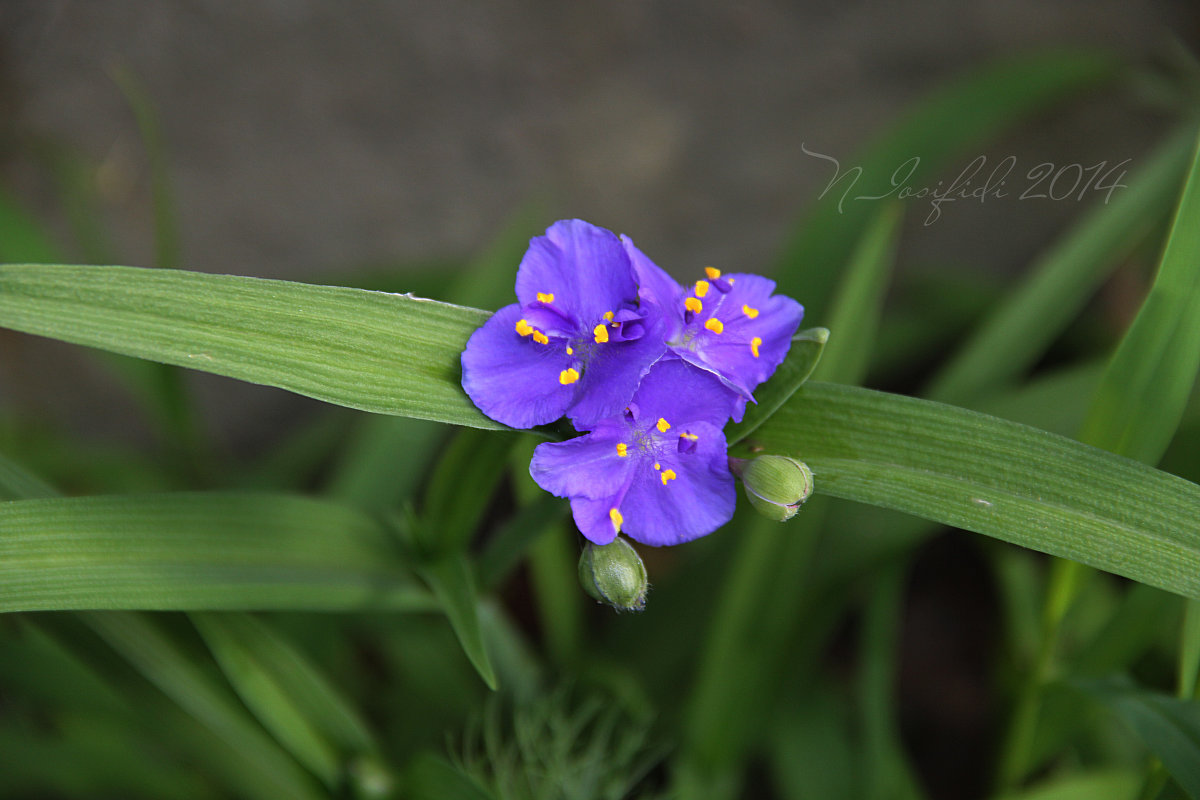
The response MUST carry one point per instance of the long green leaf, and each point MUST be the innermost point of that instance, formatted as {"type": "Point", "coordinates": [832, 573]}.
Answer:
{"type": "Point", "coordinates": [391, 354]}
{"type": "Point", "coordinates": [1001, 479]}
{"type": "Point", "coordinates": [198, 551]}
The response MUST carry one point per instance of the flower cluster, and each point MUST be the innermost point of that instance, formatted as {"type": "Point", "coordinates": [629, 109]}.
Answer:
{"type": "Point", "coordinates": [650, 372]}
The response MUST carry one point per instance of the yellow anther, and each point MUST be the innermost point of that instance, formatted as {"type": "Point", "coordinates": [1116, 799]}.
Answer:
{"type": "Point", "coordinates": [693, 305]}
{"type": "Point", "coordinates": [601, 333]}
{"type": "Point", "coordinates": [667, 475]}
{"type": "Point", "coordinates": [541, 338]}
{"type": "Point", "coordinates": [548, 297]}
{"type": "Point", "coordinates": [712, 272]}
{"type": "Point", "coordinates": [715, 325]}
{"type": "Point", "coordinates": [689, 436]}
{"type": "Point", "coordinates": [754, 344]}
{"type": "Point", "coordinates": [608, 316]}
{"type": "Point", "coordinates": [616, 518]}
{"type": "Point", "coordinates": [523, 327]}
{"type": "Point", "coordinates": [749, 312]}
{"type": "Point", "coordinates": [730, 281]}
{"type": "Point", "coordinates": [568, 376]}
{"type": "Point", "coordinates": [657, 465]}
{"type": "Point", "coordinates": [570, 351]}
{"type": "Point", "coordinates": [622, 449]}
{"type": "Point", "coordinates": [701, 288]}
{"type": "Point", "coordinates": [663, 425]}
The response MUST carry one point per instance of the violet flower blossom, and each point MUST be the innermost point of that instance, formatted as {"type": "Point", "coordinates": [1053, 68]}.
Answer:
{"type": "Point", "coordinates": [658, 472]}
{"type": "Point", "coordinates": [577, 342]}
{"type": "Point", "coordinates": [730, 325]}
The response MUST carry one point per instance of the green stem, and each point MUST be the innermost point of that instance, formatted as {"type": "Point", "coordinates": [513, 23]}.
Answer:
{"type": "Point", "coordinates": [1065, 578]}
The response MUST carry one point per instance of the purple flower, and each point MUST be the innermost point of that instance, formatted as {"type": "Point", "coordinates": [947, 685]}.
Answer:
{"type": "Point", "coordinates": [731, 325]}
{"type": "Point", "coordinates": [577, 342]}
{"type": "Point", "coordinates": [658, 472]}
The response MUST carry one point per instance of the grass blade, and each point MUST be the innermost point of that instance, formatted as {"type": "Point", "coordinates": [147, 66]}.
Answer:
{"type": "Point", "coordinates": [801, 360]}
{"type": "Point", "coordinates": [1145, 389]}
{"type": "Point", "coordinates": [287, 694]}
{"type": "Point", "coordinates": [1018, 331]}
{"type": "Point", "coordinates": [1001, 479]}
{"type": "Point", "coordinates": [391, 354]}
{"type": "Point", "coordinates": [960, 116]}
{"type": "Point", "coordinates": [198, 551]}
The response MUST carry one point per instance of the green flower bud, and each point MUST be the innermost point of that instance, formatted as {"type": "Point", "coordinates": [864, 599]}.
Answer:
{"type": "Point", "coordinates": [776, 485]}
{"type": "Point", "coordinates": [614, 574]}
{"type": "Point", "coordinates": [370, 779]}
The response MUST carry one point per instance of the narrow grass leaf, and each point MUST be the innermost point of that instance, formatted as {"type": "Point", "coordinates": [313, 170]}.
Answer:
{"type": "Point", "coordinates": [1024, 324]}
{"type": "Point", "coordinates": [1143, 393]}
{"type": "Point", "coordinates": [287, 694]}
{"type": "Point", "coordinates": [392, 354]}
{"type": "Point", "coordinates": [454, 586]}
{"type": "Point", "coordinates": [1169, 727]}
{"type": "Point", "coordinates": [1001, 479]}
{"type": "Point", "coordinates": [961, 115]}
{"type": "Point", "coordinates": [802, 359]}
{"type": "Point", "coordinates": [168, 668]}
{"type": "Point", "coordinates": [198, 552]}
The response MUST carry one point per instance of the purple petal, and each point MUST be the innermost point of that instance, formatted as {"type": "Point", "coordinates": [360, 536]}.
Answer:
{"type": "Point", "coordinates": [747, 312]}
{"type": "Point", "coordinates": [681, 393]}
{"type": "Point", "coordinates": [583, 266]}
{"type": "Point", "coordinates": [512, 378]}
{"type": "Point", "coordinates": [695, 502]}
{"type": "Point", "coordinates": [654, 283]}
{"type": "Point", "coordinates": [594, 518]}
{"type": "Point", "coordinates": [614, 370]}
{"type": "Point", "coordinates": [586, 466]}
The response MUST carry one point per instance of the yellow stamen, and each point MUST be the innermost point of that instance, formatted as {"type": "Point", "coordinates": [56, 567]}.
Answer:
{"type": "Point", "coordinates": [622, 449]}
{"type": "Point", "coordinates": [601, 333]}
{"type": "Point", "coordinates": [754, 344]}
{"type": "Point", "coordinates": [712, 272]}
{"type": "Point", "coordinates": [749, 312]}
{"type": "Point", "coordinates": [693, 305]}
{"type": "Point", "coordinates": [657, 465]}
{"type": "Point", "coordinates": [663, 425]}
{"type": "Point", "coordinates": [667, 475]}
{"type": "Point", "coordinates": [608, 316]}
{"type": "Point", "coordinates": [730, 281]}
{"type": "Point", "coordinates": [690, 436]}
{"type": "Point", "coordinates": [568, 376]}
{"type": "Point", "coordinates": [715, 325]}
{"type": "Point", "coordinates": [541, 338]}
{"type": "Point", "coordinates": [616, 518]}
{"type": "Point", "coordinates": [545, 298]}
{"type": "Point", "coordinates": [523, 327]}
{"type": "Point", "coordinates": [570, 351]}
{"type": "Point", "coordinates": [701, 288]}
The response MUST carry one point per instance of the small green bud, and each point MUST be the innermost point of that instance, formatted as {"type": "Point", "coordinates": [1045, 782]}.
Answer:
{"type": "Point", "coordinates": [614, 574]}
{"type": "Point", "coordinates": [776, 485]}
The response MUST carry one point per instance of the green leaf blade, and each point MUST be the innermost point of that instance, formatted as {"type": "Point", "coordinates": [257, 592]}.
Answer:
{"type": "Point", "coordinates": [386, 353]}
{"type": "Point", "coordinates": [998, 478]}
{"type": "Point", "coordinates": [198, 552]}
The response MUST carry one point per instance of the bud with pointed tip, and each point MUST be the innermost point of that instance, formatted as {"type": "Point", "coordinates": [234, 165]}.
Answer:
{"type": "Point", "coordinates": [614, 574]}
{"type": "Point", "coordinates": [775, 485]}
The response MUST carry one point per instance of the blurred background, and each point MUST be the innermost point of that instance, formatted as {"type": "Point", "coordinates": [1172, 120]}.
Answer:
{"type": "Point", "coordinates": [307, 140]}
{"type": "Point", "coordinates": [358, 143]}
